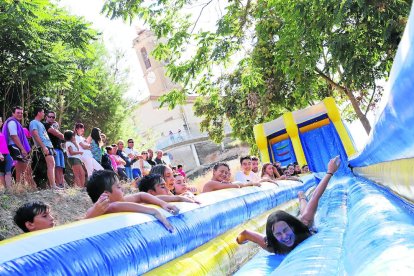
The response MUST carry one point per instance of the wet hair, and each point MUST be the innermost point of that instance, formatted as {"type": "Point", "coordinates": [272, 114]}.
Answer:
{"type": "Point", "coordinates": [27, 212]}
{"type": "Point", "coordinates": [219, 164]}
{"type": "Point", "coordinates": [247, 157]}
{"type": "Point", "coordinates": [159, 169]}
{"type": "Point", "coordinates": [99, 182]}
{"type": "Point", "coordinates": [68, 135]}
{"type": "Point", "coordinates": [300, 230]}
{"type": "Point", "coordinates": [96, 135]}
{"type": "Point", "coordinates": [148, 182]}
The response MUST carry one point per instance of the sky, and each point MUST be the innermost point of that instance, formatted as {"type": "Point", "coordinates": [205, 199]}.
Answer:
{"type": "Point", "coordinates": [119, 35]}
{"type": "Point", "coordinates": [116, 35]}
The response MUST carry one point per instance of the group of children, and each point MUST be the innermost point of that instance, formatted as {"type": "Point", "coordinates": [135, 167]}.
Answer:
{"type": "Point", "coordinates": [161, 186]}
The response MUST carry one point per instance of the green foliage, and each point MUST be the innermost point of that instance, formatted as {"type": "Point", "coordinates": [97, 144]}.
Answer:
{"type": "Point", "coordinates": [263, 58]}
{"type": "Point", "coordinates": [53, 59]}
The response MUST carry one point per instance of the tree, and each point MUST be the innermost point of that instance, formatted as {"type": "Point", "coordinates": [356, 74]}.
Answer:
{"type": "Point", "coordinates": [273, 56]}
{"type": "Point", "coordinates": [53, 59]}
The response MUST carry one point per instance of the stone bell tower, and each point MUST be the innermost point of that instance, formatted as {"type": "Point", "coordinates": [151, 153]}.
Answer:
{"type": "Point", "coordinates": [154, 72]}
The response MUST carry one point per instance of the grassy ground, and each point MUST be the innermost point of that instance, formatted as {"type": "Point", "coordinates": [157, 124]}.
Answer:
{"type": "Point", "coordinates": [68, 205]}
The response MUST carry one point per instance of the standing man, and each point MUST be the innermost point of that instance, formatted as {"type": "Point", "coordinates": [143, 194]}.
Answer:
{"type": "Point", "coordinates": [158, 160]}
{"type": "Point", "coordinates": [18, 145]}
{"type": "Point", "coordinates": [133, 155]}
{"type": "Point", "coordinates": [52, 128]}
{"type": "Point", "coordinates": [43, 144]}
{"type": "Point", "coordinates": [150, 156]}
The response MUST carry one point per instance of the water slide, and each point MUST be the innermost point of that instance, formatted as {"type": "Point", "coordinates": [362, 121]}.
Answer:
{"type": "Point", "coordinates": [365, 218]}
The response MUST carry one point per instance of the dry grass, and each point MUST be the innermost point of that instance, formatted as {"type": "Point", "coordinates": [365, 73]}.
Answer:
{"type": "Point", "coordinates": [66, 206]}
{"type": "Point", "coordinates": [71, 204]}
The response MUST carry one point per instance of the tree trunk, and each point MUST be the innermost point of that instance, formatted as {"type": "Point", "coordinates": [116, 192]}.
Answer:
{"type": "Point", "coordinates": [361, 116]}
{"type": "Point", "coordinates": [61, 107]}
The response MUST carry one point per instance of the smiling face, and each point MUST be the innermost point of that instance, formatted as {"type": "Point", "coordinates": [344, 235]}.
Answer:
{"type": "Point", "coordinates": [246, 166]}
{"type": "Point", "coordinates": [18, 114]}
{"type": "Point", "coordinates": [221, 174]}
{"type": "Point", "coordinates": [283, 233]}
{"type": "Point", "coordinates": [41, 221]}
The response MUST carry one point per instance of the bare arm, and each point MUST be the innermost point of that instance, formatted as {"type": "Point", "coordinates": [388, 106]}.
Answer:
{"type": "Point", "coordinates": [99, 208]}
{"type": "Point", "coordinates": [266, 178]}
{"type": "Point", "coordinates": [247, 235]}
{"type": "Point", "coordinates": [177, 198]}
{"type": "Point", "coordinates": [120, 161]}
{"type": "Point", "coordinates": [72, 152]}
{"type": "Point", "coordinates": [56, 133]}
{"type": "Point", "coordinates": [85, 145]}
{"type": "Point", "coordinates": [17, 142]}
{"type": "Point", "coordinates": [310, 210]}
{"type": "Point", "coordinates": [213, 185]}
{"type": "Point", "coordinates": [116, 207]}
{"type": "Point", "coordinates": [142, 197]}
{"type": "Point", "coordinates": [36, 137]}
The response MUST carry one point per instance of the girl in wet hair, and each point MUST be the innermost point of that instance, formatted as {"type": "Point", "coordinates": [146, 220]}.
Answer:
{"type": "Point", "coordinates": [284, 231]}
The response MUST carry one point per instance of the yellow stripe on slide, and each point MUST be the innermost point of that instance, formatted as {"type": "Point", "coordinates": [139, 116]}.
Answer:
{"type": "Point", "coordinates": [261, 141]}
{"type": "Point", "coordinates": [397, 175]}
{"type": "Point", "coordinates": [334, 115]}
{"type": "Point", "coordinates": [221, 255]}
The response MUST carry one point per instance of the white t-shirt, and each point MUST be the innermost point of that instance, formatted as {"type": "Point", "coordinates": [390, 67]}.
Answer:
{"type": "Point", "coordinates": [242, 178]}
{"type": "Point", "coordinates": [68, 145]}
{"type": "Point", "coordinates": [86, 152]}
{"type": "Point", "coordinates": [12, 127]}
{"type": "Point", "coordinates": [129, 151]}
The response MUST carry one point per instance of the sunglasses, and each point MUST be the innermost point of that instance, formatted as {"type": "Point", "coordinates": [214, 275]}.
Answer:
{"type": "Point", "coordinates": [52, 117]}
{"type": "Point", "coordinates": [131, 142]}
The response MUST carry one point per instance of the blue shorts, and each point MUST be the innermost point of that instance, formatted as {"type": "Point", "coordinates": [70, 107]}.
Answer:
{"type": "Point", "coordinates": [136, 173]}
{"type": "Point", "coordinates": [6, 166]}
{"type": "Point", "coordinates": [59, 159]}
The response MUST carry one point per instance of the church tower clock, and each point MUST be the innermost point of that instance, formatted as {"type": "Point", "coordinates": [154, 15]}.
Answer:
{"type": "Point", "coordinates": [154, 72]}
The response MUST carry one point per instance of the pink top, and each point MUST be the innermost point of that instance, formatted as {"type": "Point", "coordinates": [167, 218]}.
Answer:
{"type": "Point", "coordinates": [113, 162]}
{"type": "Point", "coordinates": [180, 171]}
{"type": "Point", "coordinates": [27, 133]}
{"type": "Point", "coordinates": [3, 144]}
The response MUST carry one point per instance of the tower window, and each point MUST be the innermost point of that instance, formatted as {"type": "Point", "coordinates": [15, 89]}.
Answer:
{"type": "Point", "coordinates": [145, 58]}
